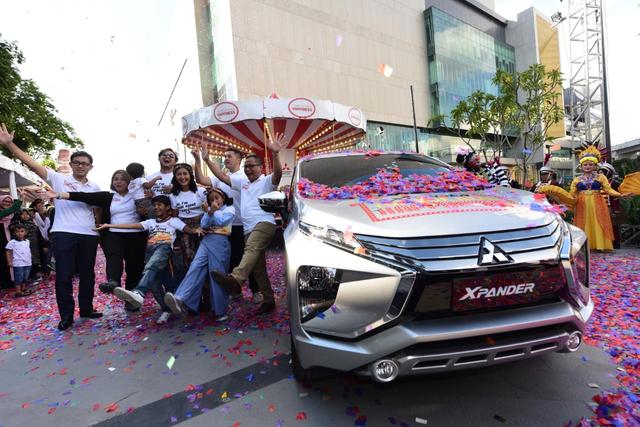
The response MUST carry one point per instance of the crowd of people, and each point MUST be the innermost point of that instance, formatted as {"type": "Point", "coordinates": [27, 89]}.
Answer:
{"type": "Point", "coordinates": [171, 236]}
{"type": "Point", "coordinates": [193, 240]}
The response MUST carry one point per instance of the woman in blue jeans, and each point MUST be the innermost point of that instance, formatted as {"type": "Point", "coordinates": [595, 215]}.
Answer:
{"type": "Point", "coordinates": [213, 253]}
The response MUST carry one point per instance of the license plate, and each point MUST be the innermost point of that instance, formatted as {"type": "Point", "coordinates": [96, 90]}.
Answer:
{"type": "Point", "coordinates": [505, 289]}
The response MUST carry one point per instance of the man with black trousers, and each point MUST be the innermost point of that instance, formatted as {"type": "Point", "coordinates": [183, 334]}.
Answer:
{"type": "Point", "coordinates": [74, 240]}
{"type": "Point", "coordinates": [232, 160]}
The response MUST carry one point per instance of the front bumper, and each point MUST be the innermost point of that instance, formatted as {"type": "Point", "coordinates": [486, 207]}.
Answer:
{"type": "Point", "coordinates": [445, 344]}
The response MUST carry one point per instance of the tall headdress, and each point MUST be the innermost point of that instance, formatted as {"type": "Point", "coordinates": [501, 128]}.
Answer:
{"type": "Point", "coordinates": [590, 154]}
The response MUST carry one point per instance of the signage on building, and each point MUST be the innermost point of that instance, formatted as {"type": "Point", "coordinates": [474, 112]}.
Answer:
{"type": "Point", "coordinates": [63, 159]}
{"type": "Point", "coordinates": [301, 108]}
{"type": "Point", "coordinates": [355, 116]}
{"type": "Point", "coordinates": [225, 112]}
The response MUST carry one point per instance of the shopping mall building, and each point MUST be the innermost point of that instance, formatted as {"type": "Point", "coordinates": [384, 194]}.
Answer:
{"type": "Point", "coordinates": [336, 50]}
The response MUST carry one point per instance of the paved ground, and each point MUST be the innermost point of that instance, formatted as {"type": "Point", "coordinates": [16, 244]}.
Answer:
{"type": "Point", "coordinates": [118, 371]}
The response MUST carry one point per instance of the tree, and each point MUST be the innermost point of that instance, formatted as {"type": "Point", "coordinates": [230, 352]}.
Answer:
{"type": "Point", "coordinates": [28, 111]}
{"type": "Point", "coordinates": [536, 96]}
{"type": "Point", "coordinates": [526, 105]}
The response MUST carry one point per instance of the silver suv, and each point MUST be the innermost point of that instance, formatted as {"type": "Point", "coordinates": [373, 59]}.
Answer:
{"type": "Point", "coordinates": [425, 281]}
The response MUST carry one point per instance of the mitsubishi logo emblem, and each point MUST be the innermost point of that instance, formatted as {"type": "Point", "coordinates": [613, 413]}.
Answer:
{"type": "Point", "coordinates": [491, 254]}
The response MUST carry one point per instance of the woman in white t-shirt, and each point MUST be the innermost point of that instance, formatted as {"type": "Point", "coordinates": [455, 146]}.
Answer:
{"type": "Point", "coordinates": [186, 202]}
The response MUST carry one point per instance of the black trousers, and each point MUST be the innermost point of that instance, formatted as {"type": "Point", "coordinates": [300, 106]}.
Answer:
{"type": "Point", "coordinates": [127, 248]}
{"type": "Point", "coordinates": [74, 252]}
{"type": "Point", "coordinates": [236, 239]}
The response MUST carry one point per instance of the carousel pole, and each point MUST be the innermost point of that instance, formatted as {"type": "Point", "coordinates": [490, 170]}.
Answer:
{"type": "Point", "coordinates": [266, 151]}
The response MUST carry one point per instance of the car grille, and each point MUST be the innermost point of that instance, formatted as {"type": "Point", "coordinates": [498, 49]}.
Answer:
{"type": "Point", "coordinates": [438, 295]}
{"type": "Point", "coordinates": [459, 252]}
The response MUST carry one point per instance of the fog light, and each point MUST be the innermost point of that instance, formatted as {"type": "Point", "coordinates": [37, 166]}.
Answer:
{"type": "Point", "coordinates": [574, 341]}
{"type": "Point", "coordinates": [385, 370]}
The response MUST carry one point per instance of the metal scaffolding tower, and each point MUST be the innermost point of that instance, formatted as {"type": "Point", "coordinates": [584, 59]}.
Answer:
{"type": "Point", "coordinates": [588, 106]}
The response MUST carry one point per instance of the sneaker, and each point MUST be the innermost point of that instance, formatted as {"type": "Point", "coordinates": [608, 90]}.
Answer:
{"type": "Point", "coordinates": [174, 304]}
{"type": "Point", "coordinates": [107, 287]}
{"type": "Point", "coordinates": [257, 298]}
{"type": "Point", "coordinates": [164, 318]}
{"type": "Point", "coordinates": [132, 297]}
{"type": "Point", "coordinates": [222, 318]}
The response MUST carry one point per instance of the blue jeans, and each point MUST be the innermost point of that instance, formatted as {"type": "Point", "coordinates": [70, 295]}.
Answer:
{"type": "Point", "coordinates": [213, 254]}
{"type": "Point", "coordinates": [156, 262]}
{"type": "Point", "coordinates": [21, 274]}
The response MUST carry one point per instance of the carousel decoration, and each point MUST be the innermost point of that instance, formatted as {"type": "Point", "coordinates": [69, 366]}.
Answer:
{"type": "Point", "coordinates": [309, 127]}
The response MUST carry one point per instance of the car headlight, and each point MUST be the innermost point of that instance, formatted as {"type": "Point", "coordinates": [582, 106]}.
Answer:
{"type": "Point", "coordinates": [317, 289]}
{"type": "Point", "coordinates": [342, 240]}
{"type": "Point", "coordinates": [579, 259]}
{"type": "Point", "coordinates": [578, 239]}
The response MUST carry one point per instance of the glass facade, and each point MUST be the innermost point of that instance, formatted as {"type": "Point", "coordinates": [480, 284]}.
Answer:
{"type": "Point", "coordinates": [224, 67]}
{"type": "Point", "coordinates": [388, 137]}
{"type": "Point", "coordinates": [461, 60]}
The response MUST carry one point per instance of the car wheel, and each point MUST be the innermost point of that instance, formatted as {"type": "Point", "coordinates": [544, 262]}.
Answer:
{"type": "Point", "coordinates": [302, 374]}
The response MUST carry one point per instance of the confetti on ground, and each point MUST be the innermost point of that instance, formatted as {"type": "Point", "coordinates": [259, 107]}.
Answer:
{"type": "Point", "coordinates": [615, 327]}
{"type": "Point", "coordinates": [170, 362]}
{"type": "Point", "coordinates": [500, 418]}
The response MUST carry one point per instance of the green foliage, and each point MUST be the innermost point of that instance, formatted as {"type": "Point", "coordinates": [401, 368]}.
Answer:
{"type": "Point", "coordinates": [527, 105]}
{"type": "Point", "coordinates": [631, 208]}
{"type": "Point", "coordinates": [625, 166]}
{"type": "Point", "coordinates": [28, 111]}
{"type": "Point", "coordinates": [48, 162]}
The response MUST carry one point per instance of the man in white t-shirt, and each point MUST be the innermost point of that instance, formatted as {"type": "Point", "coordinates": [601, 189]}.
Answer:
{"type": "Point", "coordinates": [167, 159]}
{"type": "Point", "coordinates": [232, 160]}
{"type": "Point", "coordinates": [259, 226]}
{"type": "Point", "coordinates": [74, 240]}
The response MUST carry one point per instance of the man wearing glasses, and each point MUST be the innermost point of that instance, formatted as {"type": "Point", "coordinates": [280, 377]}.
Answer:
{"type": "Point", "coordinates": [74, 240]}
{"type": "Point", "coordinates": [259, 226]}
{"type": "Point", "coordinates": [167, 159]}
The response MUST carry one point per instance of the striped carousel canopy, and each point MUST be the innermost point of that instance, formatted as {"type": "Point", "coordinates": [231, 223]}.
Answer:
{"type": "Point", "coordinates": [309, 126]}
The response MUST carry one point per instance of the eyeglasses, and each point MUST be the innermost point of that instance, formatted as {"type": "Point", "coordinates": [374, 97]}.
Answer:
{"type": "Point", "coordinates": [83, 164]}
{"type": "Point", "coordinates": [169, 155]}
{"type": "Point", "coordinates": [251, 166]}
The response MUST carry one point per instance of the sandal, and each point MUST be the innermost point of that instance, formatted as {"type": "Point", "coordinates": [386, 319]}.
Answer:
{"type": "Point", "coordinates": [27, 292]}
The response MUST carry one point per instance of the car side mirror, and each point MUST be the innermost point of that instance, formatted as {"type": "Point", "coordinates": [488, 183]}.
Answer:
{"type": "Point", "coordinates": [273, 202]}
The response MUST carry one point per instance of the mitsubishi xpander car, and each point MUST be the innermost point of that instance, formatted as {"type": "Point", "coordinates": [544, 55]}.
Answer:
{"type": "Point", "coordinates": [387, 277]}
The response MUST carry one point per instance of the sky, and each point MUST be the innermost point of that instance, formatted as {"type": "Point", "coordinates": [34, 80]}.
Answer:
{"type": "Point", "coordinates": [109, 67]}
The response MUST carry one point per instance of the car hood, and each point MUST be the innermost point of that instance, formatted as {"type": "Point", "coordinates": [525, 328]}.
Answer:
{"type": "Point", "coordinates": [431, 214]}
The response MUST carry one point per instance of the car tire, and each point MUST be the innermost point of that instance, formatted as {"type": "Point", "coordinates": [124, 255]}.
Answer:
{"type": "Point", "coordinates": [306, 374]}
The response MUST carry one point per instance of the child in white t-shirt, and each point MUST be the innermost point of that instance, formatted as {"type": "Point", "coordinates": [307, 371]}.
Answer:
{"type": "Point", "coordinates": [162, 232]}
{"type": "Point", "coordinates": [18, 252]}
{"type": "Point", "coordinates": [137, 187]}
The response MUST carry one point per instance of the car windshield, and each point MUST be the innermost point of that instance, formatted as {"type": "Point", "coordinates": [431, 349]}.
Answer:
{"type": "Point", "coordinates": [349, 170]}
{"type": "Point", "coordinates": [374, 176]}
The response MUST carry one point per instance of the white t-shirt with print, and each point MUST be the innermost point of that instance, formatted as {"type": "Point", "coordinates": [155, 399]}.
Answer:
{"type": "Point", "coordinates": [216, 183]}
{"type": "Point", "coordinates": [21, 252]}
{"type": "Point", "coordinates": [71, 216]}
{"type": "Point", "coordinates": [136, 189]}
{"type": "Point", "coordinates": [161, 183]}
{"type": "Point", "coordinates": [250, 209]}
{"type": "Point", "coordinates": [123, 211]}
{"type": "Point", "coordinates": [189, 204]}
{"type": "Point", "coordinates": [162, 232]}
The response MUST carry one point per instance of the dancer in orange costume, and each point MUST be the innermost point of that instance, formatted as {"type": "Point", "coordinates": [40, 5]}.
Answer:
{"type": "Point", "coordinates": [591, 211]}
